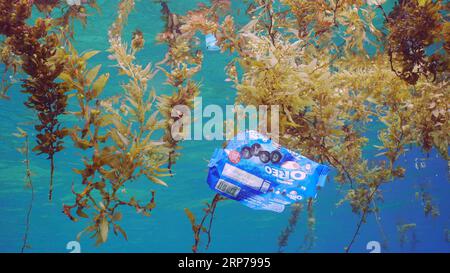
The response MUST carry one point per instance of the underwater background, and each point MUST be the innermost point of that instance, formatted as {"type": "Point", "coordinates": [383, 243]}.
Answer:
{"type": "Point", "coordinates": [236, 227]}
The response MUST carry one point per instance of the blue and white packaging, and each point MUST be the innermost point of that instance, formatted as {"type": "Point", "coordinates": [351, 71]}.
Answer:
{"type": "Point", "coordinates": [263, 175]}
{"type": "Point", "coordinates": [211, 42]}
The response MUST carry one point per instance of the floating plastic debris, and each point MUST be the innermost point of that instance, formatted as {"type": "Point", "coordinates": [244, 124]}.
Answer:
{"type": "Point", "coordinates": [211, 42]}
{"type": "Point", "coordinates": [73, 2]}
{"type": "Point", "coordinates": [263, 175]}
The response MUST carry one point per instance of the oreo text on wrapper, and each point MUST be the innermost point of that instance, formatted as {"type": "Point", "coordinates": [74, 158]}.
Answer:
{"type": "Point", "coordinates": [263, 175]}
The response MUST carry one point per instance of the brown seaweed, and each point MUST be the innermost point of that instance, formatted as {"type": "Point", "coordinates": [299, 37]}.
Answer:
{"type": "Point", "coordinates": [310, 236]}
{"type": "Point", "coordinates": [331, 92]}
{"type": "Point", "coordinates": [430, 208]}
{"type": "Point", "coordinates": [283, 238]}
{"type": "Point", "coordinates": [37, 47]}
{"type": "Point", "coordinates": [413, 26]}
{"type": "Point", "coordinates": [12, 64]}
{"type": "Point", "coordinates": [181, 63]}
{"type": "Point", "coordinates": [404, 230]}
{"type": "Point", "coordinates": [204, 225]}
{"type": "Point", "coordinates": [118, 137]}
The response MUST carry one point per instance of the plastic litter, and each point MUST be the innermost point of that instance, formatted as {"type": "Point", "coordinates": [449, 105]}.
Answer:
{"type": "Point", "coordinates": [73, 2]}
{"type": "Point", "coordinates": [263, 175]}
{"type": "Point", "coordinates": [211, 42]}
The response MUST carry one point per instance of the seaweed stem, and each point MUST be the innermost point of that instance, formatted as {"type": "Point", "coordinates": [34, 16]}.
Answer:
{"type": "Point", "coordinates": [30, 207]}
{"type": "Point", "coordinates": [213, 210]}
{"type": "Point", "coordinates": [335, 12]}
{"type": "Point", "coordinates": [384, 12]}
{"type": "Point", "coordinates": [269, 9]}
{"type": "Point", "coordinates": [310, 238]}
{"type": "Point", "coordinates": [380, 227]}
{"type": "Point", "coordinates": [209, 212]}
{"type": "Point", "coordinates": [362, 219]}
{"type": "Point", "coordinates": [283, 238]}
{"type": "Point", "coordinates": [52, 170]}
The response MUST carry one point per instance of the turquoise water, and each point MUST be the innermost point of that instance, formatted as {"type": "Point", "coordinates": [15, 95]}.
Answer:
{"type": "Point", "coordinates": [236, 228]}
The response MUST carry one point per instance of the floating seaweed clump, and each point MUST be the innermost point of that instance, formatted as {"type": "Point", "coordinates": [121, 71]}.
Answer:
{"type": "Point", "coordinates": [311, 58]}
{"type": "Point", "coordinates": [429, 206]}
{"type": "Point", "coordinates": [72, 11]}
{"type": "Point", "coordinates": [119, 136]}
{"type": "Point", "coordinates": [403, 230]}
{"type": "Point", "coordinates": [37, 47]}
{"type": "Point", "coordinates": [46, 5]}
{"type": "Point", "coordinates": [330, 91]}
{"type": "Point", "coordinates": [413, 27]}
{"type": "Point", "coordinates": [181, 63]}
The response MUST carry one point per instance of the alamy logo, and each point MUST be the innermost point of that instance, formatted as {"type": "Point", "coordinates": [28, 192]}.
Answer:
{"type": "Point", "coordinates": [220, 126]}
{"type": "Point", "coordinates": [374, 247]}
{"type": "Point", "coordinates": [74, 246]}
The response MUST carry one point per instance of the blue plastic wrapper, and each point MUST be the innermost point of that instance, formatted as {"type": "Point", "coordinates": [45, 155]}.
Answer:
{"type": "Point", "coordinates": [263, 175]}
{"type": "Point", "coordinates": [211, 42]}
